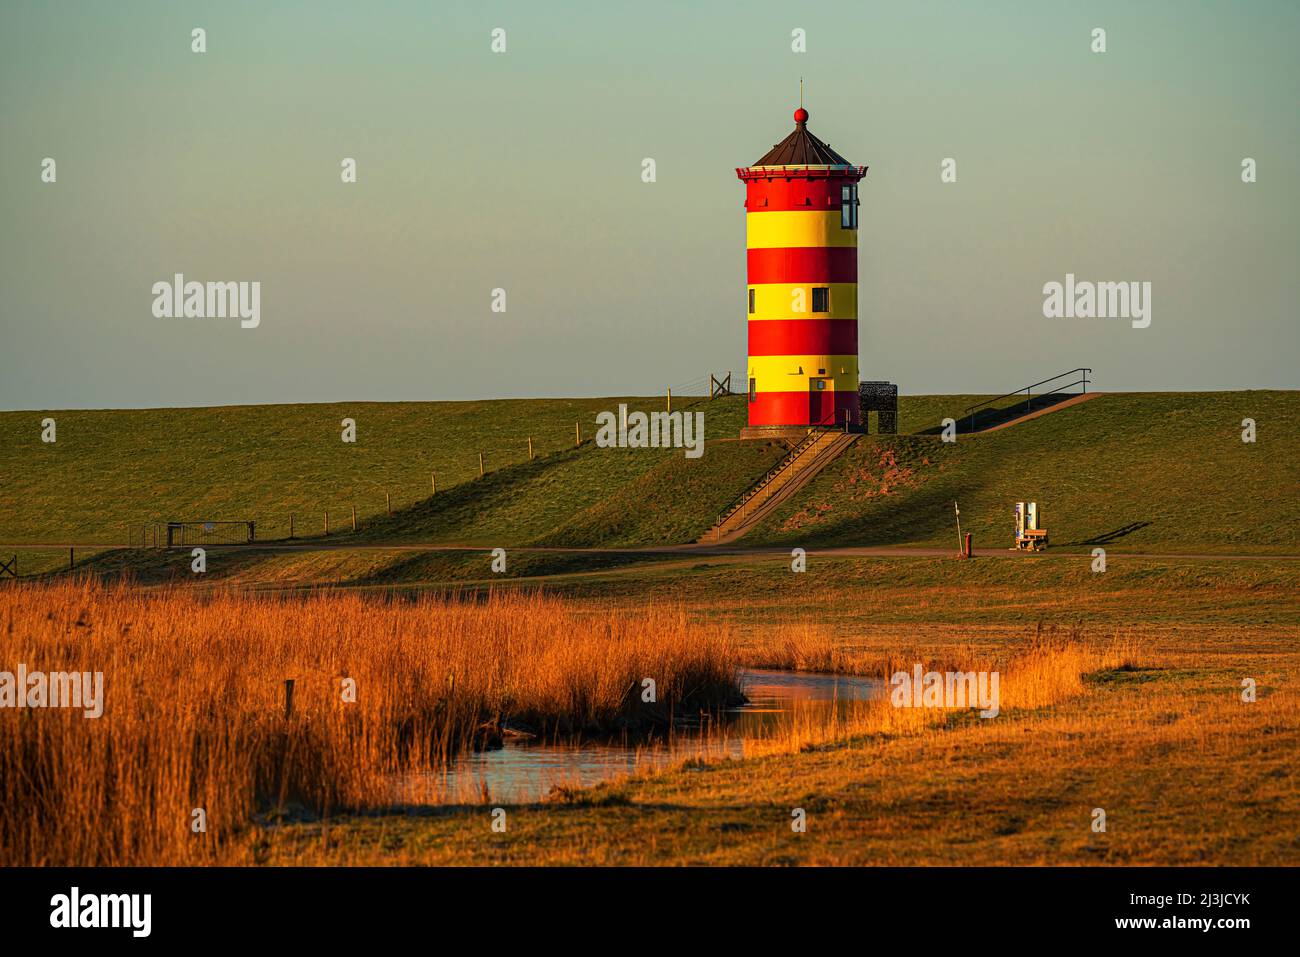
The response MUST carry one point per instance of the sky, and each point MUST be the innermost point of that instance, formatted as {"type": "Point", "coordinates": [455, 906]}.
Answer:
{"type": "Point", "coordinates": [522, 171]}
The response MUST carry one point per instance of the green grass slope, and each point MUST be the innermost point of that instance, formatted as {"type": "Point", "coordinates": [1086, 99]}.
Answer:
{"type": "Point", "coordinates": [1158, 472]}
{"type": "Point", "coordinates": [587, 497]}
{"type": "Point", "coordinates": [674, 502]}
{"type": "Point", "coordinates": [113, 468]}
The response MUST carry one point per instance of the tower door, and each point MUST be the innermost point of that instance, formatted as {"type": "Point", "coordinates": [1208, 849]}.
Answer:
{"type": "Point", "coordinates": [821, 401]}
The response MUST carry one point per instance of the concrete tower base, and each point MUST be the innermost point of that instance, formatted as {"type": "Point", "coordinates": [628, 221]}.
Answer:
{"type": "Point", "coordinates": [790, 433]}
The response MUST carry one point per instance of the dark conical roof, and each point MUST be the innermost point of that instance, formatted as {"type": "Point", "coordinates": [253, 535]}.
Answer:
{"type": "Point", "coordinates": [801, 148]}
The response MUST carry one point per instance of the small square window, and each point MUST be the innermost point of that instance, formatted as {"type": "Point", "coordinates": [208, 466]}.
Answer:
{"type": "Point", "coordinates": [751, 302]}
{"type": "Point", "coordinates": [821, 299]}
{"type": "Point", "coordinates": [821, 385]}
{"type": "Point", "coordinates": [753, 390]}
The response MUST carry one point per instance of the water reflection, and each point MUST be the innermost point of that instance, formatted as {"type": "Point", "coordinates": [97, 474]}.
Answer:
{"type": "Point", "coordinates": [525, 771]}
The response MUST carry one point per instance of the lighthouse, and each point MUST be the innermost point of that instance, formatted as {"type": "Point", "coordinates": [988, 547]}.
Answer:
{"type": "Point", "coordinates": [801, 234]}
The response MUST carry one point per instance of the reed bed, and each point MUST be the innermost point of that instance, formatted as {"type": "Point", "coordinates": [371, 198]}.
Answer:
{"type": "Point", "coordinates": [195, 709]}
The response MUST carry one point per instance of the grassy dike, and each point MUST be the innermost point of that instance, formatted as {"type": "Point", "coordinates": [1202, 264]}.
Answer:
{"type": "Point", "coordinates": [113, 468]}
{"type": "Point", "coordinates": [1149, 472]}
{"type": "Point", "coordinates": [1155, 472]}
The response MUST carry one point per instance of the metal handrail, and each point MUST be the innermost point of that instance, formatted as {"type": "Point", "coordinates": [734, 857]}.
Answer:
{"type": "Point", "coordinates": [809, 439]}
{"type": "Point", "coordinates": [794, 462]}
{"type": "Point", "coordinates": [970, 411]}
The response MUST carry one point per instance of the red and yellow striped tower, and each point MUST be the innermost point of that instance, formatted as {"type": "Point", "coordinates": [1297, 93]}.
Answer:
{"type": "Point", "coordinates": [801, 226]}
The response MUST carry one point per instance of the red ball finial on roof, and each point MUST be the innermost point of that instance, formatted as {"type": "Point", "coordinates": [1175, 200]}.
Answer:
{"type": "Point", "coordinates": [801, 115]}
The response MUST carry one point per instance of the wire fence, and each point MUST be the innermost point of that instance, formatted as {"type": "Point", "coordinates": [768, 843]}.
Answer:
{"type": "Point", "coordinates": [176, 534]}
{"type": "Point", "coordinates": [707, 385]}
{"type": "Point", "coordinates": [301, 520]}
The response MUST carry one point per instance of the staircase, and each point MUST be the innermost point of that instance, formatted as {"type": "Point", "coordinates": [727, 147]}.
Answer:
{"type": "Point", "coordinates": [1063, 404]}
{"type": "Point", "coordinates": [817, 450]}
{"type": "Point", "coordinates": [1001, 418]}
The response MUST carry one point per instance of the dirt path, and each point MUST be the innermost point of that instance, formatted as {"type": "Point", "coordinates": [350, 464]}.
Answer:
{"type": "Point", "coordinates": [737, 551]}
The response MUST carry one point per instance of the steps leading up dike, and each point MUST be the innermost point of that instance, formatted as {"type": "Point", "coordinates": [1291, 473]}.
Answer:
{"type": "Point", "coordinates": [1056, 407]}
{"type": "Point", "coordinates": [810, 456]}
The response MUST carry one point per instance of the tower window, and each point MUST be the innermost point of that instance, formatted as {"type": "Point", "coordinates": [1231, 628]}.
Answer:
{"type": "Point", "coordinates": [849, 207]}
{"type": "Point", "coordinates": [751, 302]}
{"type": "Point", "coordinates": [821, 299]}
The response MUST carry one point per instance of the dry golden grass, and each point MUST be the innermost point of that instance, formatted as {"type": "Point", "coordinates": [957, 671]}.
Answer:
{"type": "Point", "coordinates": [194, 714]}
{"type": "Point", "coordinates": [1133, 704]}
{"type": "Point", "coordinates": [1186, 771]}
{"type": "Point", "coordinates": [1048, 669]}
{"type": "Point", "coordinates": [1151, 727]}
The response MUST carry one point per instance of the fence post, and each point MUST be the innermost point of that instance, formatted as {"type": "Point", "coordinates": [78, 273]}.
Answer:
{"type": "Point", "coordinates": [291, 526]}
{"type": "Point", "coordinates": [577, 434]}
{"type": "Point", "coordinates": [71, 559]}
{"type": "Point", "coordinates": [327, 521]}
{"type": "Point", "coordinates": [530, 448]}
{"type": "Point", "coordinates": [354, 518]}
{"type": "Point", "coordinates": [433, 484]}
{"type": "Point", "coordinates": [480, 465]}
{"type": "Point", "coordinates": [388, 504]}
{"type": "Point", "coordinates": [670, 400]}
